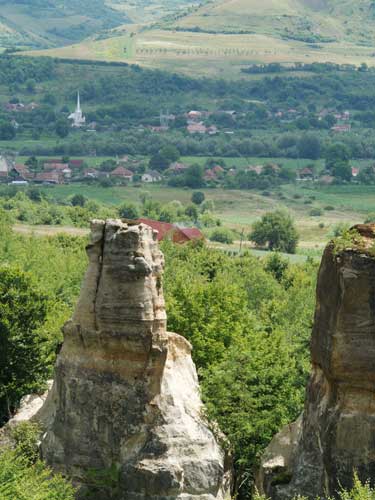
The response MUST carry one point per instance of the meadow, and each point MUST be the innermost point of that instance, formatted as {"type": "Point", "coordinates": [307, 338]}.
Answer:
{"type": "Point", "coordinates": [238, 209]}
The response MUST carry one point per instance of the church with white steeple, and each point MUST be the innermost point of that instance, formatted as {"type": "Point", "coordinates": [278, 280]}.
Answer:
{"type": "Point", "coordinates": [78, 119]}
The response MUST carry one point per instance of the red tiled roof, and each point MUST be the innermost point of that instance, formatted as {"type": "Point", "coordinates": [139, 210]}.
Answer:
{"type": "Point", "coordinates": [192, 233]}
{"type": "Point", "coordinates": [76, 163]}
{"type": "Point", "coordinates": [122, 172]}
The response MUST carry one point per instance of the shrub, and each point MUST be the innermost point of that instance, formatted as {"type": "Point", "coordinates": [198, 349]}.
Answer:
{"type": "Point", "coordinates": [128, 211]}
{"type": "Point", "coordinates": [329, 208]}
{"type": "Point", "coordinates": [20, 480]}
{"type": "Point", "coordinates": [222, 235]}
{"type": "Point", "coordinates": [315, 212]}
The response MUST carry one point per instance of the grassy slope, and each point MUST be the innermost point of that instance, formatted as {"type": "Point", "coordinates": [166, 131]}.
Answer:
{"type": "Point", "coordinates": [73, 20]}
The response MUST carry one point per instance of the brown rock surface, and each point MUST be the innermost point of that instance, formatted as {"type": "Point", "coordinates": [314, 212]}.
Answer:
{"type": "Point", "coordinates": [126, 395]}
{"type": "Point", "coordinates": [338, 429]}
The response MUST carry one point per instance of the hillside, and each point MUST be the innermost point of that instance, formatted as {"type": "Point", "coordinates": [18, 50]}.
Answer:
{"type": "Point", "coordinates": [304, 20]}
{"type": "Point", "coordinates": [221, 37]}
{"type": "Point", "coordinates": [51, 23]}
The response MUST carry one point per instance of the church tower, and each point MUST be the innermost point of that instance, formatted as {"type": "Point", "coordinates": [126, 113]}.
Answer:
{"type": "Point", "coordinates": [78, 119]}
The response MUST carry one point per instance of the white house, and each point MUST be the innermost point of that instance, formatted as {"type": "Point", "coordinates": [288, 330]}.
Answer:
{"type": "Point", "coordinates": [151, 176]}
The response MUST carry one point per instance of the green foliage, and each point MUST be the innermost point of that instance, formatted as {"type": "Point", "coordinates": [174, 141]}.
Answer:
{"type": "Point", "coordinates": [78, 200]}
{"type": "Point", "coordinates": [316, 212]}
{"type": "Point", "coordinates": [26, 436]}
{"type": "Point", "coordinates": [197, 197]}
{"type": "Point", "coordinates": [128, 211]}
{"type": "Point", "coordinates": [62, 128]}
{"type": "Point", "coordinates": [252, 392]}
{"type": "Point", "coordinates": [348, 239]}
{"type": "Point", "coordinates": [277, 266]}
{"type": "Point", "coordinates": [277, 230]}
{"type": "Point", "coordinates": [309, 146]}
{"type": "Point", "coordinates": [103, 481]}
{"type": "Point", "coordinates": [222, 235]}
{"type": "Point", "coordinates": [250, 343]}
{"type": "Point", "coordinates": [22, 481]}
{"type": "Point", "coordinates": [23, 309]}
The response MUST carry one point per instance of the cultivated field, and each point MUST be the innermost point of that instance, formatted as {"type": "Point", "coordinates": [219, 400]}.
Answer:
{"type": "Point", "coordinates": [206, 54]}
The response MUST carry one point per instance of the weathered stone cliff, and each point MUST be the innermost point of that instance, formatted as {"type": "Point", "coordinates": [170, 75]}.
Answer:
{"type": "Point", "coordinates": [126, 397]}
{"type": "Point", "coordinates": [338, 427]}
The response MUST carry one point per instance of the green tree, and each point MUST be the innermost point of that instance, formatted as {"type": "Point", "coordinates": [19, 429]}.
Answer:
{"type": "Point", "coordinates": [277, 230]}
{"type": "Point", "coordinates": [33, 164]}
{"type": "Point", "coordinates": [62, 128]}
{"type": "Point", "coordinates": [23, 309]}
{"type": "Point", "coordinates": [309, 146]}
{"type": "Point", "coordinates": [194, 176]}
{"type": "Point", "coordinates": [30, 85]}
{"type": "Point", "coordinates": [252, 393]}
{"type": "Point", "coordinates": [337, 152]}
{"type": "Point", "coordinates": [197, 197]}
{"type": "Point", "coordinates": [7, 131]}
{"type": "Point", "coordinates": [78, 200]}
{"type": "Point", "coordinates": [342, 170]}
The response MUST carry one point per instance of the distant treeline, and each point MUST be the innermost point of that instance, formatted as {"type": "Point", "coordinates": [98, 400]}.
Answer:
{"type": "Point", "coordinates": [311, 67]}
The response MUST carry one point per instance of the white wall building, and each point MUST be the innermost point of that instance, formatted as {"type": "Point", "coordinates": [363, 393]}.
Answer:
{"type": "Point", "coordinates": [77, 117]}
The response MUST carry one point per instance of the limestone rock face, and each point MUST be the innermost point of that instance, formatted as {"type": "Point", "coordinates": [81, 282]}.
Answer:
{"type": "Point", "coordinates": [338, 430]}
{"type": "Point", "coordinates": [126, 396]}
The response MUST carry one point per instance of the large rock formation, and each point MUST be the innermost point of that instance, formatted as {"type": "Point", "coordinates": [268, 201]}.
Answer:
{"type": "Point", "coordinates": [125, 398]}
{"type": "Point", "coordinates": [338, 429]}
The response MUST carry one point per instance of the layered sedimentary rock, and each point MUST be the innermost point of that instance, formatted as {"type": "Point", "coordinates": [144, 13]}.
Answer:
{"type": "Point", "coordinates": [126, 397]}
{"type": "Point", "coordinates": [338, 428]}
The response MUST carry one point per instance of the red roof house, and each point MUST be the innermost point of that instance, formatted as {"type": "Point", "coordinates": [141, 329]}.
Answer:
{"type": "Point", "coordinates": [122, 173]}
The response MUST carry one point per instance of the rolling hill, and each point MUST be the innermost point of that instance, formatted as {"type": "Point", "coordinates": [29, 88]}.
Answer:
{"type": "Point", "coordinates": [304, 20]}
{"type": "Point", "coordinates": [51, 23]}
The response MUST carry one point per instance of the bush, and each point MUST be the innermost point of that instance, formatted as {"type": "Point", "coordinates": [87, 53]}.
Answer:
{"type": "Point", "coordinates": [222, 235]}
{"type": "Point", "coordinates": [20, 480]}
{"type": "Point", "coordinates": [26, 436]}
{"type": "Point", "coordinates": [128, 211]}
{"type": "Point", "coordinates": [315, 212]}
{"type": "Point", "coordinates": [78, 200]}
{"type": "Point", "coordinates": [329, 208]}
{"type": "Point", "coordinates": [339, 229]}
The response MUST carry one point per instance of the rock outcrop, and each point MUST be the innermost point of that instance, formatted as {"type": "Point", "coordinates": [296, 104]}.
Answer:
{"type": "Point", "coordinates": [125, 397]}
{"type": "Point", "coordinates": [338, 429]}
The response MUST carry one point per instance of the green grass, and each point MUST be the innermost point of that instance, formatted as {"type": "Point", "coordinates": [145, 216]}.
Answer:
{"type": "Point", "coordinates": [239, 209]}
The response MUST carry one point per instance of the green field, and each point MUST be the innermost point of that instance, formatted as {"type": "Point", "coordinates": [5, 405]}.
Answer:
{"type": "Point", "coordinates": [239, 209]}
